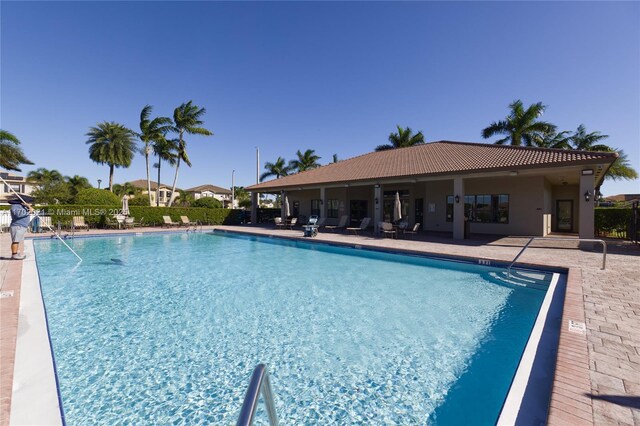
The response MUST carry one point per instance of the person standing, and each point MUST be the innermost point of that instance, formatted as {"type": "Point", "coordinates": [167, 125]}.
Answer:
{"type": "Point", "coordinates": [19, 223]}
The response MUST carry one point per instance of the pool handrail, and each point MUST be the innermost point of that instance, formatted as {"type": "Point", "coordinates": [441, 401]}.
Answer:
{"type": "Point", "coordinates": [259, 383]}
{"type": "Point", "coordinates": [585, 240]}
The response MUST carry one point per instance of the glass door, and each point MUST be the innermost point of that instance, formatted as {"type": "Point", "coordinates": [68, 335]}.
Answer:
{"type": "Point", "coordinates": [419, 217]}
{"type": "Point", "coordinates": [358, 211]}
{"type": "Point", "coordinates": [564, 215]}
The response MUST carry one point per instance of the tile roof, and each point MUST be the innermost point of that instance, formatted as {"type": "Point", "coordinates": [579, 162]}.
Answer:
{"type": "Point", "coordinates": [142, 183]}
{"type": "Point", "coordinates": [436, 158]}
{"type": "Point", "coordinates": [209, 187]}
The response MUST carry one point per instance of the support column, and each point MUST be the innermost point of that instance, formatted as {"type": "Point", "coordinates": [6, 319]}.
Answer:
{"type": "Point", "coordinates": [323, 203]}
{"type": "Point", "coordinates": [254, 208]}
{"type": "Point", "coordinates": [586, 208]}
{"type": "Point", "coordinates": [458, 208]}
{"type": "Point", "coordinates": [377, 208]}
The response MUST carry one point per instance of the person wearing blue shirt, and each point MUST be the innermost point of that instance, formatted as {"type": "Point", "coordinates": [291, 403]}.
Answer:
{"type": "Point", "coordinates": [19, 223]}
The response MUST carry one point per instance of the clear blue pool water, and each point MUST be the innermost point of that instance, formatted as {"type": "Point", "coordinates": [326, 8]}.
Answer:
{"type": "Point", "coordinates": [170, 331]}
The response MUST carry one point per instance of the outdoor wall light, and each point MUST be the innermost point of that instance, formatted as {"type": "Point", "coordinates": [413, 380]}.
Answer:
{"type": "Point", "coordinates": [587, 196]}
{"type": "Point", "coordinates": [587, 172]}
{"type": "Point", "coordinates": [457, 198]}
{"type": "Point", "coordinates": [377, 201]}
{"type": "Point", "coordinates": [377, 185]}
{"type": "Point", "coordinates": [513, 173]}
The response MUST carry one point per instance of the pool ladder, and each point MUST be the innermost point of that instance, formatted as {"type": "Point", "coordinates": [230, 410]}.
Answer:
{"type": "Point", "coordinates": [259, 383]}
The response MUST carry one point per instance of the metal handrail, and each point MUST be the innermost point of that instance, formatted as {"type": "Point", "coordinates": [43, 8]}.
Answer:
{"type": "Point", "coordinates": [586, 240]}
{"type": "Point", "coordinates": [259, 383]}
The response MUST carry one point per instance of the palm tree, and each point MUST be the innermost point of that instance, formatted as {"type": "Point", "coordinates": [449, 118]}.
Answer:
{"type": "Point", "coordinates": [50, 186]}
{"type": "Point", "coordinates": [560, 140]}
{"type": "Point", "coordinates": [77, 183]}
{"type": "Point", "coordinates": [167, 150]}
{"type": "Point", "coordinates": [306, 161]}
{"type": "Point", "coordinates": [186, 119]}
{"type": "Point", "coordinates": [150, 132]}
{"type": "Point", "coordinates": [521, 126]}
{"type": "Point", "coordinates": [11, 155]}
{"type": "Point", "coordinates": [277, 169]}
{"type": "Point", "coordinates": [404, 137]}
{"type": "Point", "coordinates": [112, 144]}
{"type": "Point", "coordinates": [620, 169]}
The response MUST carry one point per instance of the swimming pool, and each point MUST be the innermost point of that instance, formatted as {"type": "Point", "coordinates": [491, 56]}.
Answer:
{"type": "Point", "coordinates": [167, 328]}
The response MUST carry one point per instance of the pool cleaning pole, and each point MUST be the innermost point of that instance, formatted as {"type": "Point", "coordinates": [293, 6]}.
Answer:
{"type": "Point", "coordinates": [37, 214]}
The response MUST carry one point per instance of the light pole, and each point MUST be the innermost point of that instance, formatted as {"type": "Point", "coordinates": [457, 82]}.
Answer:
{"type": "Point", "coordinates": [99, 182]}
{"type": "Point", "coordinates": [233, 190]}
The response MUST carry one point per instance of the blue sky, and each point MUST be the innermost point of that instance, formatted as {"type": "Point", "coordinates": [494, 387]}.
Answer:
{"type": "Point", "coordinates": [334, 77]}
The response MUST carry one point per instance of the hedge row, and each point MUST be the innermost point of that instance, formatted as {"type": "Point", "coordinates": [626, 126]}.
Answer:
{"type": "Point", "coordinates": [99, 216]}
{"type": "Point", "coordinates": [612, 221]}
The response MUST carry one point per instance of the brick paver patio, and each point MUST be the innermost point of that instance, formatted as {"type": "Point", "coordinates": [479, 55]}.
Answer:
{"type": "Point", "coordinates": [598, 374]}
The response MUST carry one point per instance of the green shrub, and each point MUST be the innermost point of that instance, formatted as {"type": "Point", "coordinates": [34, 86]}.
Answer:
{"type": "Point", "coordinates": [612, 221]}
{"type": "Point", "coordinates": [139, 200]}
{"type": "Point", "coordinates": [207, 202]}
{"type": "Point", "coordinates": [97, 197]}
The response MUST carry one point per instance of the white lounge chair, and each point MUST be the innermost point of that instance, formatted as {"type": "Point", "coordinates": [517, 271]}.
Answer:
{"type": "Point", "coordinates": [168, 222]}
{"type": "Point", "coordinates": [363, 226]}
{"type": "Point", "coordinates": [341, 225]}
{"type": "Point", "coordinates": [413, 230]}
{"type": "Point", "coordinates": [185, 221]}
{"type": "Point", "coordinates": [79, 223]}
{"type": "Point", "coordinates": [291, 223]}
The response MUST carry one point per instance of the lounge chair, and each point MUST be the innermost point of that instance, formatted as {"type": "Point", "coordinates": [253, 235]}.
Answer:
{"type": "Point", "coordinates": [320, 223]}
{"type": "Point", "coordinates": [129, 222]}
{"type": "Point", "coordinates": [387, 229]}
{"type": "Point", "coordinates": [278, 222]}
{"type": "Point", "coordinates": [413, 230]}
{"type": "Point", "coordinates": [78, 223]}
{"type": "Point", "coordinates": [363, 226]}
{"type": "Point", "coordinates": [168, 222]}
{"type": "Point", "coordinates": [292, 223]}
{"type": "Point", "coordinates": [185, 221]}
{"type": "Point", "coordinates": [341, 225]}
{"type": "Point", "coordinates": [45, 224]}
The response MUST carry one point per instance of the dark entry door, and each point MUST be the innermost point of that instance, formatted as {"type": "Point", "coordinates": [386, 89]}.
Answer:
{"type": "Point", "coordinates": [358, 211]}
{"type": "Point", "coordinates": [419, 211]}
{"type": "Point", "coordinates": [564, 215]}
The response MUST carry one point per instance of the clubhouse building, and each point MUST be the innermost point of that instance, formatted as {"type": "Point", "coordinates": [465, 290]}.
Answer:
{"type": "Point", "coordinates": [497, 189]}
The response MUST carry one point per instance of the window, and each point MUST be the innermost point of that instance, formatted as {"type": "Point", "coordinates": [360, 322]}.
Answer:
{"type": "Point", "coordinates": [315, 207]}
{"type": "Point", "coordinates": [332, 209]}
{"type": "Point", "coordinates": [482, 208]}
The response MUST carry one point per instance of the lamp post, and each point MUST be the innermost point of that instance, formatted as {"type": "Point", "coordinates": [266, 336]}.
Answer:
{"type": "Point", "coordinates": [99, 182]}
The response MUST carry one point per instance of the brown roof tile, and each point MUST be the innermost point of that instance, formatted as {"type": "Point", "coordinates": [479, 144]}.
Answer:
{"type": "Point", "coordinates": [209, 187]}
{"type": "Point", "coordinates": [436, 158]}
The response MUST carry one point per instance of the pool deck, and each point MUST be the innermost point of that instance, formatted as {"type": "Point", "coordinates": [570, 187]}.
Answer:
{"type": "Point", "coordinates": [597, 377]}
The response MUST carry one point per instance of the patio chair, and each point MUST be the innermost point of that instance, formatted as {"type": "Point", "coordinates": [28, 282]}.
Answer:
{"type": "Point", "coordinates": [129, 222]}
{"type": "Point", "coordinates": [341, 225]}
{"type": "Point", "coordinates": [185, 221]}
{"type": "Point", "coordinates": [278, 222]}
{"type": "Point", "coordinates": [412, 231]}
{"type": "Point", "coordinates": [387, 229]}
{"type": "Point", "coordinates": [45, 224]}
{"type": "Point", "coordinates": [292, 223]}
{"type": "Point", "coordinates": [363, 226]}
{"type": "Point", "coordinates": [168, 222]}
{"type": "Point", "coordinates": [320, 222]}
{"type": "Point", "coordinates": [79, 223]}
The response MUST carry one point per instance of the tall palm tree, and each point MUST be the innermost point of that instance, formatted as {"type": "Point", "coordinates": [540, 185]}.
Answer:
{"type": "Point", "coordinates": [277, 169]}
{"type": "Point", "coordinates": [521, 127]}
{"type": "Point", "coordinates": [49, 186]}
{"type": "Point", "coordinates": [186, 119]}
{"type": "Point", "coordinates": [306, 161]}
{"type": "Point", "coordinates": [151, 130]}
{"type": "Point", "coordinates": [167, 150]}
{"type": "Point", "coordinates": [404, 137]}
{"type": "Point", "coordinates": [583, 141]}
{"type": "Point", "coordinates": [561, 140]}
{"type": "Point", "coordinates": [620, 169]}
{"type": "Point", "coordinates": [11, 155]}
{"type": "Point", "coordinates": [112, 144]}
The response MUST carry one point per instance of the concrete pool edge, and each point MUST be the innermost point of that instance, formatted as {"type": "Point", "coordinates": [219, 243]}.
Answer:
{"type": "Point", "coordinates": [34, 371]}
